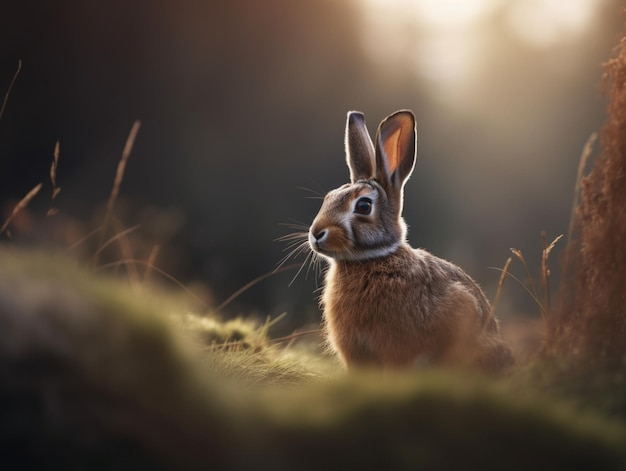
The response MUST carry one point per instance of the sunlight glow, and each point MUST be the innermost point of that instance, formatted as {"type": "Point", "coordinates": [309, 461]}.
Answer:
{"type": "Point", "coordinates": [451, 13]}
{"type": "Point", "coordinates": [445, 41]}
{"type": "Point", "coordinates": [437, 39]}
{"type": "Point", "coordinates": [434, 13]}
{"type": "Point", "coordinates": [543, 23]}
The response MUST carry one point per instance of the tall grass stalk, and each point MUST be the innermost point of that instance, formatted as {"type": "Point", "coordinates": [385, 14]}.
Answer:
{"type": "Point", "coordinates": [545, 270]}
{"type": "Point", "coordinates": [8, 92]}
{"type": "Point", "coordinates": [53, 179]}
{"type": "Point", "coordinates": [20, 206]}
{"type": "Point", "coordinates": [117, 183]}
{"type": "Point", "coordinates": [496, 299]}
{"type": "Point", "coordinates": [541, 298]}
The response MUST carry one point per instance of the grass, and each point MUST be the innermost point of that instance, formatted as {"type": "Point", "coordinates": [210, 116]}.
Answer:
{"type": "Point", "coordinates": [96, 375]}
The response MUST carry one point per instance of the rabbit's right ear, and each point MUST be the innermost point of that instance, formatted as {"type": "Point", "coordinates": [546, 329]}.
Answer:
{"type": "Point", "coordinates": [396, 147]}
{"type": "Point", "coordinates": [359, 148]}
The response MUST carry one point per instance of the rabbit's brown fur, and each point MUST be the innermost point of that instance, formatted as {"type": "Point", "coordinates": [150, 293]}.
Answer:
{"type": "Point", "coordinates": [385, 303]}
{"type": "Point", "coordinates": [365, 313]}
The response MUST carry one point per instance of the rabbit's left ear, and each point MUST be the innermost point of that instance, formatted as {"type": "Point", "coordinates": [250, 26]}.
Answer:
{"type": "Point", "coordinates": [359, 147]}
{"type": "Point", "coordinates": [396, 146]}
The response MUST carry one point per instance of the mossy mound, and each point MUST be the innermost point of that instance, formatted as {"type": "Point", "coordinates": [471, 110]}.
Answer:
{"type": "Point", "coordinates": [432, 420]}
{"type": "Point", "coordinates": [95, 375]}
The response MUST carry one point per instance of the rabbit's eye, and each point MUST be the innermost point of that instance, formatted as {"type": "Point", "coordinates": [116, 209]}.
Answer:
{"type": "Point", "coordinates": [363, 206]}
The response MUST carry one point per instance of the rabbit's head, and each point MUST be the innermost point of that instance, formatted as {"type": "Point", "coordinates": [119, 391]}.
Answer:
{"type": "Point", "coordinates": [362, 219]}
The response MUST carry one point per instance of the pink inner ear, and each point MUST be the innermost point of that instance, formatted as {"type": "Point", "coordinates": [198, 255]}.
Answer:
{"type": "Point", "coordinates": [392, 150]}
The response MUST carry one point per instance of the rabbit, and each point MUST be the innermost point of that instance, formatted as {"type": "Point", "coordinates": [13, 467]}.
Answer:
{"type": "Point", "coordinates": [385, 303]}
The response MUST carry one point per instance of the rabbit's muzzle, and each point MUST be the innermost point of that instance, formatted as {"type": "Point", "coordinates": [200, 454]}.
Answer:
{"type": "Point", "coordinates": [328, 240]}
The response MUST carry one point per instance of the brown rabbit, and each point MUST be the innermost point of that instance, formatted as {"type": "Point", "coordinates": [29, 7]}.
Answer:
{"type": "Point", "coordinates": [385, 303]}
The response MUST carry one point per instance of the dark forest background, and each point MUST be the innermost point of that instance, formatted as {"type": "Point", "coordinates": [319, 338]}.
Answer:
{"type": "Point", "coordinates": [243, 103]}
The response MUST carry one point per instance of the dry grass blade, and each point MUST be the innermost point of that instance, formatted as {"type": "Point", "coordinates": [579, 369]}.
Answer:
{"type": "Point", "coordinates": [158, 270]}
{"type": "Point", "coordinates": [582, 165]}
{"type": "Point", "coordinates": [20, 206]}
{"type": "Point", "coordinates": [83, 239]}
{"type": "Point", "coordinates": [120, 234]}
{"type": "Point", "coordinates": [545, 271]}
{"type": "Point", "coordinates": [496, 299]}
{"type": "Point", "coordinates": [6, 95]}
{"type": "Point", "coordinates": [252, 283]}
{"type": "Point", "coordinates": [520, 256]}
{"type": "Point", "coordinates": [541, 300]}
{"type": "Point", "coordinates": [55, 164]}
{"type": "Point", "coordinates": [127, 252]}
{"type": "Point", "coordinates": [257, 341]}
{"type": "Point", "coordinates": [527, 289]}
{"type": "Point", "coordinates": [53, 178]}
{"type": "Point", "coordinates": [150, 263]}
{"type": "Point", "coordinates": [553, 244]}
{"type": "Point", "coordinates": [119, 176]}
{"type": "Point", "coordinates": [295, 335]}
{"type": "Point", "coordinates": [269, 322]}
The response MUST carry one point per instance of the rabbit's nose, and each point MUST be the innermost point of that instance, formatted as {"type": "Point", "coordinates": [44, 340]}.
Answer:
{"type": "Point", "coordinates": [320, 235]}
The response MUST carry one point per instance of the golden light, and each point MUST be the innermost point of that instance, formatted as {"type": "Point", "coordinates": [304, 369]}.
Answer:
{"type": "Point", "coordinates": [448, 14]}
{"type": "Point", "coordinates": [435, 13]}
{"type": "Point", "coordinates": [543, 23]}
{"type": "Point", "coordinates": [445, 41]}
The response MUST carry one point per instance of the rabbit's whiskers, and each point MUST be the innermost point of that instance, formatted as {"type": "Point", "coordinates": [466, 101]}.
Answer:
{"type": "Point", "coordinates": [298, 244]}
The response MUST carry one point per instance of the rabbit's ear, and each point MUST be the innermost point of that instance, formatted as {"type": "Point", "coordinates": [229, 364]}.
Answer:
{"type": "Point", "coordinates": [396, 146]}
{"type": "Point", "coordinates": [359, 147]}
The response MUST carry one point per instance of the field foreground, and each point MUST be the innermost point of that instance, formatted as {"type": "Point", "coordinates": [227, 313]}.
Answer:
{"type": "Point", "coordinates": [96, 375]}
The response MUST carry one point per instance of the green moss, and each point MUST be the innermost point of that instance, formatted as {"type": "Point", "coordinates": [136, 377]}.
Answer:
{"type": "Point", "coordinates": [585, 380]}
{"type": "Point", "coordinates": [437, 420]}
{"type": "Point", "coordinates": [92, 374]}
{"type": "Point", "coordinates": [97, 375]}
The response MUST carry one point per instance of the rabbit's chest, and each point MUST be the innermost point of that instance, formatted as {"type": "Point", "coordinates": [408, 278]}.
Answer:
{"type": "Point", "coordinates": [366, 300]}
{"type": "Point", "coordinates": [374, 318]}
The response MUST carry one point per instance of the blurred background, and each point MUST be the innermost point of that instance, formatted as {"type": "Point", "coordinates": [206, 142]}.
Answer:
{"type": "Point", "coordinates": [243, 105]}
